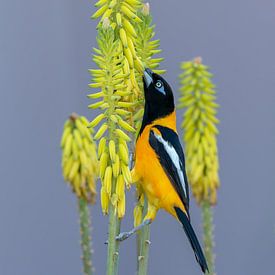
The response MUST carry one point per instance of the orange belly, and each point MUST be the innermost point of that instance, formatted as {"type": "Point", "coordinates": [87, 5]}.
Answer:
{"type": "Point", "coordinates": [153, 179]}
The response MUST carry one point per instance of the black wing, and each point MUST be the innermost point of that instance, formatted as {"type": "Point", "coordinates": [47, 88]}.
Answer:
{"type": "Point", "coordinates": [169, 151]}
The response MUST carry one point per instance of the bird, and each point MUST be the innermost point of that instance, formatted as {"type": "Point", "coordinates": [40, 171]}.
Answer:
{"type": "Point", "coordinates": [159, 163]}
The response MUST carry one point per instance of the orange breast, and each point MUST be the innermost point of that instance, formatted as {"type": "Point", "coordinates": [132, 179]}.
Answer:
{"type": "Point", "coordinates": [153, 179]}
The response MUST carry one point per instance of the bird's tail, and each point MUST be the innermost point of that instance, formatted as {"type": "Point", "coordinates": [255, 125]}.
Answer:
{"type": "Point", "coordinates": [192, 238]}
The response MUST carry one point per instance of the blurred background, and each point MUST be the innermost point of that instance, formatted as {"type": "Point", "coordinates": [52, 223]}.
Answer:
{"type": "Point", "coordinates": [45, 52]}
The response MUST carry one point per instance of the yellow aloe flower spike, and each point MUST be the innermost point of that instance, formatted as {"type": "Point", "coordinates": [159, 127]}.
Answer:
{"type": "Point", "coordinates": [79, 159]}
{"type": "Point", "coordinates": [80, 169]}
{"type": "Point", "coordinates": [146, 49]}
{"type": "Point", "coordinates": [112, 79]}
{"type": "Point", "coordinates": [122, 16]}
{"type": "Point", "coordinates": [112, 126]}
{"type": "Point", "coordinates": [121, 57]}
{"type": "Point", "coordinates": [198, 97]}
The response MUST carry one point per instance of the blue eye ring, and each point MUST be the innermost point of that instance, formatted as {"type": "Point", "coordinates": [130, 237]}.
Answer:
{"type": "Point", "coordinates": [159, 84]}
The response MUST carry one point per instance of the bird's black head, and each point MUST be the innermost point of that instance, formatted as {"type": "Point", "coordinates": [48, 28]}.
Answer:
{"type": "Point", "coordinates": [159, 99]}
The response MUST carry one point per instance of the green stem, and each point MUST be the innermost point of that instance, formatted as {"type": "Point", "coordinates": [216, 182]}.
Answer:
{"type": "Point", "coordinates": [85, 224]}
{"type": "Point", "coordinates": [113, 245]}
{"type": "Point", "coordinates": [143, 247]}
{"type": "Point", "coordinates": [114, 221]}
{"type": "Point", "coordinates": [114, 229]}
{"type": "Point", "coordinates": [208, 236]}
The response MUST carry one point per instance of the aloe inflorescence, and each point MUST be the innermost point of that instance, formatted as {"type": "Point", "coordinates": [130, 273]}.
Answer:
{"type": "Point", "coordinates": [122, 16]}
{"type": "Point", "coordinates": [125, 47]}
{"type": "Point", "coordinates": [80, 169]}
{"type": "Point", "coordinates": [198, 97]}
{"type": "Point", "coordinates": [112, 134]}
{"type": "Point", "coordinates": [146, 49]}
{"type": "Point", "coordinates": [79, 158]}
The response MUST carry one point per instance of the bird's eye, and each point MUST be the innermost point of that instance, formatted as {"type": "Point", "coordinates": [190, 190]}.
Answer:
{"type": "Point", "coordinates": [159, 84]}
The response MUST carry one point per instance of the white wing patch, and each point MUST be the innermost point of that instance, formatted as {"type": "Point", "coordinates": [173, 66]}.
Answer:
{"type": "Point", "coordinates": [174, 158]}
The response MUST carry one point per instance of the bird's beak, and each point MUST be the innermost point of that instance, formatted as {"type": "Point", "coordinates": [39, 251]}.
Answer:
{"type": "Point", "coordinates": [147, 77]}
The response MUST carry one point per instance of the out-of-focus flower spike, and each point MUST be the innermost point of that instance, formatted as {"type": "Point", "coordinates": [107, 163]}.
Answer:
{"type": "Point", "coordinates": [79, 161]}
{"type": "Point", "coordinates": [200, 129]}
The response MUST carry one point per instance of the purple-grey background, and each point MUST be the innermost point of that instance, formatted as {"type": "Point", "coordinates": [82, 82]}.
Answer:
{"type": "Point", "coordinates": [45, 51]}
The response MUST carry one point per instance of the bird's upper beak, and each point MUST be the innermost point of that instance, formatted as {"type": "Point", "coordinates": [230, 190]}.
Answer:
{"type": "Point", "coordinates": [147, 77]}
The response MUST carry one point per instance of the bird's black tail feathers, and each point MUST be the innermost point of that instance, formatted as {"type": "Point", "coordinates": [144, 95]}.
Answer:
{"type": "Point", "coordinates": [192, 238]}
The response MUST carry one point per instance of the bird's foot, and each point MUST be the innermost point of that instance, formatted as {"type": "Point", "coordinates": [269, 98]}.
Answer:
{"type": "Point", "coordinates": [125, 235]}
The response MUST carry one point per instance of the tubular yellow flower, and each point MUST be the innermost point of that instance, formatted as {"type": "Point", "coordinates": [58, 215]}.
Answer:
{"type": "Point", "coordinates": [121, 207]}
{"type": "Point", "coordinates": [198, 96]}
{"type": "Point", "coordinates": [79, 160]}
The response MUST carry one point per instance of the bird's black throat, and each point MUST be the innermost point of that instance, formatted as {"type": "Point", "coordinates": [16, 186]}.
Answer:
{"type": "Point", "coordinates": [156, 111]}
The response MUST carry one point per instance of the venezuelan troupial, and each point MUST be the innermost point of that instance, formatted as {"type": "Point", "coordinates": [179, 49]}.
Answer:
{"type": "Point", "coordinates": [159, 164]}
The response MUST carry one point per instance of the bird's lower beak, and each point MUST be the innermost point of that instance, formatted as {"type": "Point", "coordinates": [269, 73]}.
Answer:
{"type": "Point", "coordinates": [147, 77]}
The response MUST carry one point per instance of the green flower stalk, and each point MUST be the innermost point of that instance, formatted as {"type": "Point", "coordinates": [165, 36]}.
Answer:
{"type": "Point", "coordinates": [198, 96]}
{"type": "Point", "coordinates": [79, 164]}
{"type": "Point", "coordinates": [85, 224]}
{"type": "Point", "coordinates": [208, 235]}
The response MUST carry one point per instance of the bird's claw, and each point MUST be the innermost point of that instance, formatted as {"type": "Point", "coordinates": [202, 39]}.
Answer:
{"type": "Point", "coordinates": [123, 236]}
